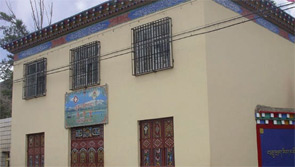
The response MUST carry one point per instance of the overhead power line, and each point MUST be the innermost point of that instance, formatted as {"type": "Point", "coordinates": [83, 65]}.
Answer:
{"type": "Point", "coordinates": [265, 12]}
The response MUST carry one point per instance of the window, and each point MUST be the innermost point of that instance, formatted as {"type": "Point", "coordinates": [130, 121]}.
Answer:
{"type": "Point", "coordinates": [35, 150]}
{"type": "Point", "coordinates": [35, 79]}
{"type": "Point", "coordinates": [157, 142]}
{"type": "Point", "coordinates": [152, 49]}
{"type": "Point", "coordinates": [85, 65]}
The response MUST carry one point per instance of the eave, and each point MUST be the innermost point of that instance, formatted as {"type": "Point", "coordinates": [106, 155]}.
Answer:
{"type": "Point", "coordinates": [83, 19]}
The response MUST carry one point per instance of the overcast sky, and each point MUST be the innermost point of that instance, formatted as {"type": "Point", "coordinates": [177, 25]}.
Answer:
{"type": "Point", "coordinates": [63, 9]}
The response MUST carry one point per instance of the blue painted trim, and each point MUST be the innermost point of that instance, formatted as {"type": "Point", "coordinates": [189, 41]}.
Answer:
{"type": "Point", "coordinates": [134, 14]}
{"type": "Point", "coordinates": [230, 5]}
{"type": "Point", "coordinates": [264, 23]}
{"type": "Point", "coordinates": [87, 31]}
{"type": "Point", "coordinates": [268, 25]}
{"type": "Point", "coordinates": [35, 50]}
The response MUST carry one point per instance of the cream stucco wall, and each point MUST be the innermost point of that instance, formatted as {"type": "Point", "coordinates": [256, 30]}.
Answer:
{"type": "Point", "coordinates": [246, 65]}
{"type": "Point", "coordinates": [211, 92]}
{"type": "Point", "coordinates": [180, 92]}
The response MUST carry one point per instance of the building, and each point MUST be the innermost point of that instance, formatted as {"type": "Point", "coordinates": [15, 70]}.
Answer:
{"type": "Point", "coordinates": [5, 141]}
{"type": "Point", "coordinates": [151, 83]}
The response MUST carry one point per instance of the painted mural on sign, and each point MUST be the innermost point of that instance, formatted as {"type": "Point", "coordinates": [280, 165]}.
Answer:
{"type": "Point", "coordinates": [86, 107]}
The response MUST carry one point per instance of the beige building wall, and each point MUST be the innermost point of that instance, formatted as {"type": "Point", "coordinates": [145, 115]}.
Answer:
{"type": "Point", "coordinates": [246, 65]}
{"type": "Point", "coordinates": [180, 93]}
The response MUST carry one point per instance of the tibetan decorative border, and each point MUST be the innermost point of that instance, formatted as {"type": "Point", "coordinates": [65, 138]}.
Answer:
{"type": "Point", "coordinates": [274, 116]}
{"type": "Point", "coordinates": [275, 135]}
{"type": "Point", "coordinates": [88, 17]}
{"type": "Point", "coordinates": [271, 13]}
{"type": "Point", "coordinates": [94, 28]}
{"type": "Point", "coordinates": [261, 21]}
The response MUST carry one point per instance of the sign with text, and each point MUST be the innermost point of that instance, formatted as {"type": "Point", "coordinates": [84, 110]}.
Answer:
{"type": "Point", "coordinates": [277, 147]}
{"type": "Point", "coordinates": [86, 107]}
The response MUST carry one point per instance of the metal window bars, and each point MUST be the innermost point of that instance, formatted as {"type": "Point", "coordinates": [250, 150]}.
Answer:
{"type": "Point", "coordinates": [84, 70]}
{"type": "Point", "coordinates": [152, 47]}
{"type": "Point", "coordinates": [35, 79]}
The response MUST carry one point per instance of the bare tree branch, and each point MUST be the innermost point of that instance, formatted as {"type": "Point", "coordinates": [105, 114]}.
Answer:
{"type": "Point", "coordinates": [39, 11]}
{"type": "Point", "coordinates": [33, 14]}
{"type": "Point", "coordinates": [8, 4]}
{"type": "Point", "coordinates": [49, 15]}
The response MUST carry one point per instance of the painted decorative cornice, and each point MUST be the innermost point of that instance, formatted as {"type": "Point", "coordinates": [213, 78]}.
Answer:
{"type": "Point", "coordinates": [115, 12]}
{"type": "Point", "coordinates": [264, 13]}
{"type": "Point", "coordinates": [271, 13]}
{"type": "Point", "coordinates": [83, 19]}
{"type": "Point", "coordinates": [274, 116]}
{"type": "Point", "coordinates": [96, 27]}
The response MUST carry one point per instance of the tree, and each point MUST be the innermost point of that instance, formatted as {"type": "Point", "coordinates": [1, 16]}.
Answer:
{"type": "Point", "coordinates": [14, 29]}
{"type": "Point", "coordinates": [39, 11]}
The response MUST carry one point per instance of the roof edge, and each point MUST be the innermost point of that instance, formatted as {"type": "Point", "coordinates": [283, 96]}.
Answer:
{"type": "Point", "coordinates": [262, 108]}
{"type": "Point", "coordinates": [73, 23]}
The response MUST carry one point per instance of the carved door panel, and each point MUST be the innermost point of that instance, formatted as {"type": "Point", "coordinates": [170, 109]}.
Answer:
{"type": "Point", "coordinates": [35, 150]}
{"type": "Point", "coordinates": [87, 147]}
{"type": "Point", "coordinates": [157, 142]}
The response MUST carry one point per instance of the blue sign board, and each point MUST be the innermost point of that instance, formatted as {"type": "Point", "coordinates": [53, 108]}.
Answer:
{"type": "Point", "coordinates": [277, 147]}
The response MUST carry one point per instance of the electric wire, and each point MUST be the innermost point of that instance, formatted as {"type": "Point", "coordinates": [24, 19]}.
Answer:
{"type": "Point", "coordinates": [57, 70]}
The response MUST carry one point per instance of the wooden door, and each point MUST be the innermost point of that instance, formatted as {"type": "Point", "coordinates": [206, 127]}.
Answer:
{"type": "Point", "coordinates": [35, 150]}
{"type": "Point", "coordinates": [87, 148]}
{"type": "Point", "coordinates": [157, 142]}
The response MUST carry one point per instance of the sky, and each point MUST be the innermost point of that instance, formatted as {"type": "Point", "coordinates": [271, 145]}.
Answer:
{"type": "Point", "coordinates": [63, 9]}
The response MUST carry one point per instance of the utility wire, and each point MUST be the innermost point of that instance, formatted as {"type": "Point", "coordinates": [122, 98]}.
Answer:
{"type": "Point", "coordinates": [232, 19]}
{"type": "Point", "coordinates": [262, 12]}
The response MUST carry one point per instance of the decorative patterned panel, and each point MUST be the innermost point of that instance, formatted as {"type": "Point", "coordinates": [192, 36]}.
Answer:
{"type": "Point", "coordinates": [158, 158]}
{"type": "Point", "coordinates": [146, 157]}
{"type": "Point", "coordinates": [87, 146]}
{"type": "Point", "coordinates": [74, 155]}
{"type": "Point", "coordinates": [169, 157]}
{"type": "Point", "coordinates": [157, 142]}
{"type": "Point", "coordinates": [100, 157]}
{"type": "Point", "coordinates": [35, 150]}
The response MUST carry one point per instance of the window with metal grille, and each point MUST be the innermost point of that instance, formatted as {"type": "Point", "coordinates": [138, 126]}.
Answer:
{"type": "Point", "coordinates": [152, 48]}
{"type": "Point", "coordinates": [35, 79]}
{"type": "Point", "coordinates": [84, 65]}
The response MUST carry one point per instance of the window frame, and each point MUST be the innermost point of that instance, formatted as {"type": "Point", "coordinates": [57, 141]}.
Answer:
{"type": "Point", "coordinates": [81, 58]}
{"type": "Point", "coordinates": [151, 43]}
{"type": "Point", "coordinates": [38, 76]}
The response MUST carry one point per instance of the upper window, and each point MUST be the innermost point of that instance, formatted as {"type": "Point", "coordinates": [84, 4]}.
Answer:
{"type": "Point", "coordinates": [152, 49]}
{"type": "Point", "coordinates": [35, 79]}
{"type": "Point", "coordinates": [85, 65]}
